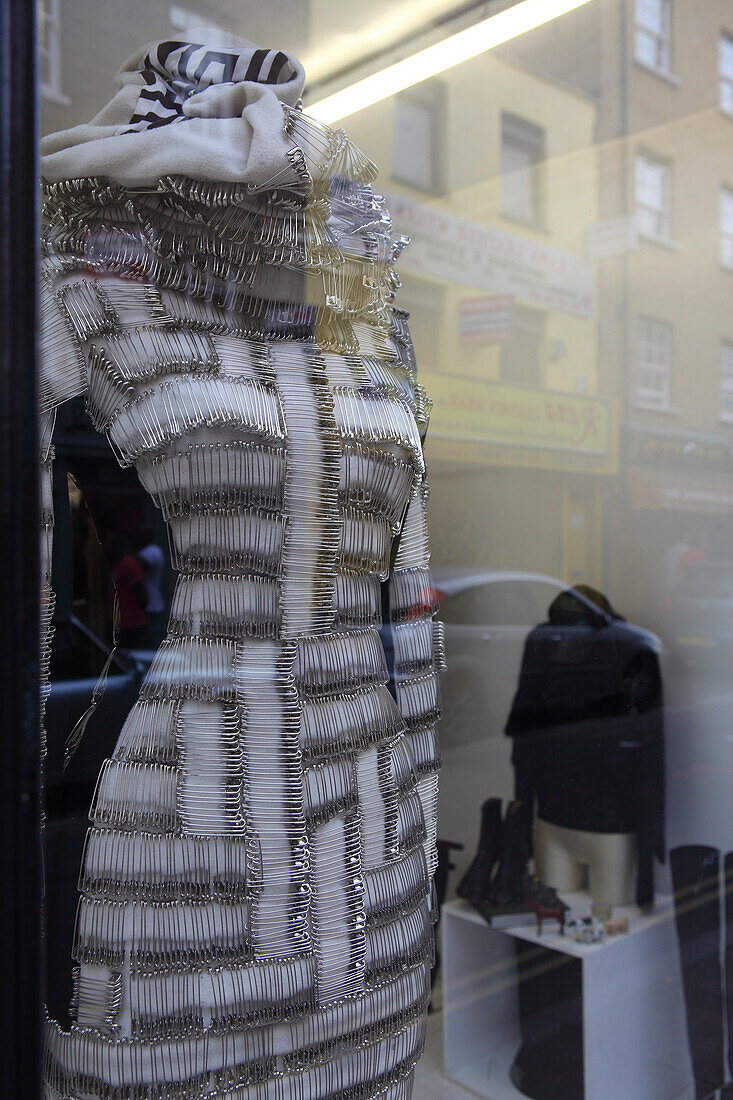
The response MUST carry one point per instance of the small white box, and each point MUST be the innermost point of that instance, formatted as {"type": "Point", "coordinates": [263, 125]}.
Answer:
{"type": "Point", "coordinates": [633, 1019]}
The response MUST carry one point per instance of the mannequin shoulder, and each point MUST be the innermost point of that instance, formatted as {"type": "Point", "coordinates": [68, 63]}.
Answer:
{"type": "Point", "coordinates": [62, 366]}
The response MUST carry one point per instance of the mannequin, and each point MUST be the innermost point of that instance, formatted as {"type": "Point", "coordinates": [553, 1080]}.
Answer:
{"type": "Point", "coordinates": [594, 780]}
{"type": "Point", "coordinates": [603, 863]}
{"type": "Point", "coordinates": [255, 916]}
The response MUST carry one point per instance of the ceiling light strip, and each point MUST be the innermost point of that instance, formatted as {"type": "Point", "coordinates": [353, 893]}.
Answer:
{"type": "Point", "coordinates": [495, 30]}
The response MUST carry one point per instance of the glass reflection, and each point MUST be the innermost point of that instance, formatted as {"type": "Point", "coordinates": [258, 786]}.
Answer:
{"type": "Point", "coordinates": [569, 198]}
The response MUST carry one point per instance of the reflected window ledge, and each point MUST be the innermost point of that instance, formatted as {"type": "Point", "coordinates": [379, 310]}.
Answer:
{"type": "Point", "coordinates": [726, 418]}
{"type": "Point", "coordinates": [725, 111]}
{"type": "Point", "coordinates": [52, 96]}
{"type": "Point", "coordinates": [665, 410]}
{"type": "Point", "coordinates": [665, 242]}
{"type": "Point", "coordinates": [670, 78]}
{"type": "Point", "coordinates": [534, 226]}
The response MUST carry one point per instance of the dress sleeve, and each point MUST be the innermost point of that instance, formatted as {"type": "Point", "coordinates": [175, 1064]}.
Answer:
{"type": "Point", "coordinates": [62, 371]}
{"type": "Point", "coordinates": [413, 642]}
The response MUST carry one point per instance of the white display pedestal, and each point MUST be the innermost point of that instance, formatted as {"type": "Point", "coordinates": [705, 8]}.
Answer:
{"type": "Point", "coordinates": [634, 1032]}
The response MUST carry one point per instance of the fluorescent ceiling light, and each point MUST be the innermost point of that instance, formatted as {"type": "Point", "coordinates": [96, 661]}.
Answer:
{"type": "Point", "coordinates": [502, 27]}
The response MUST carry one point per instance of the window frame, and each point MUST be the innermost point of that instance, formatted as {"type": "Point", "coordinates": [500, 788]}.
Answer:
{"type": "Point", "coordinates": [184, 19]}
{"type": "Point", "coordinates": [725, 232]}
{"type": "Point", "coordinates": [661, 39]}
{"type": "Point", "coordinates": [725, 80]}
{"type": "Point", "coordinates": [533, 138]}
{"type": "Point", "coordinates": [663, 213]}
{"type": "Point", "coordinates": [428, 96]}
{"type": "Point", "coordinates": [49, 46]}
{"type": "Point", "coordinates": [646, 396]}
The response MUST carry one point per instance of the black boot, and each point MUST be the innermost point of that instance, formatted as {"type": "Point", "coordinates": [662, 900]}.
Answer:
{"type": "Point", "coordinates": [726, 1093]}
{"type": "Point", "coordinates": [510, 884]}
{"type": "Point", "coordinates": [549, 1062]}
{"type": "Point", "coordinates": [476, 883]}
{"type": "Point", "coordinates": [696, 880]}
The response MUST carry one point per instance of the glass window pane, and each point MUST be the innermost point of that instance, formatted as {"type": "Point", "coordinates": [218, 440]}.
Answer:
{"type": "Point", "coordinates": [650, 15]}
{"type": "Point", "coordinates": [725, 57]}
{"type": "Point", "coordinates": [522, 149]}
{"type": "Point", "coordinates": [652, 197]}
{"type": "Point", "coordinates": [290, 325]}
{"type": "Point", "coordinates": [415, 151]}
{"type": "Point", "coordinates": [652, 41]}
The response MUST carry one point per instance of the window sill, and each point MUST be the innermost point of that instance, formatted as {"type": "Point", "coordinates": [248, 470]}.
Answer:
{"type": "Point", "coordinates": [669, 78]}
{"type": "Point", "coordinates": [525, 224]}
{"type": "Point", "coordinates": [725, 112]}
{"type": "Point", "coordinates": [723, 419]}
{"type": "Point", "coordinates": [725, 267]}
{"type": "Point", "coordinates": [665, 242]}
{"type": "Point", "coordinates": [665, 410]}
{"type": "Point", "coordinates": [55, 97]}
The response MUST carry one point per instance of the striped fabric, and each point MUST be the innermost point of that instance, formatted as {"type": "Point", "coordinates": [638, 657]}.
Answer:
{"type": "Point", "coordinates": [174, 71]}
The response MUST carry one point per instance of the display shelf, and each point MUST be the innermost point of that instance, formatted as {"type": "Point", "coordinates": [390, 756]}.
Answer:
{"type": "Point", "coordinates": [634, 1042]}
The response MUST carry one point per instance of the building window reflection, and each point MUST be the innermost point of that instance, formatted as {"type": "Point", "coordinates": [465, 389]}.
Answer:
{"type": "Point", "coordinates": [183, 19]}
{"type": "Point", "coordinates": [417, 144]}
{"type": "Point", "coordinates": [653, 33]}
{"type": "Point", "coordinates": [522, 152]}
{"type": "Point", "coordinates": [725, 73]}
{"type": "Point", "coordinates": [49, 49]}
{"type": "Point", "coordinates": [654, 363]}
{"type": "Point", "coordinates": [726, 381]}
{"type": "Point", "coordinates": [725, 223]}
{"type": "Point", "coordinates": [653, 197]}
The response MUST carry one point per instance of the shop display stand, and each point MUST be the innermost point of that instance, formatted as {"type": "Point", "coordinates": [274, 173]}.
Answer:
{"type": "Point", "coordinates": [633, 1020]}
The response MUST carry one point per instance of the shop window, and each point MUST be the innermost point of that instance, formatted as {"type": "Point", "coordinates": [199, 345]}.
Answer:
{"type": "Point", "coordinates": [725, 73]}
{"type": "Point", "coordinates": [522, 152]}
{"type": "Point", "coordinates": [654, 363]}
{"type": "Point", "coordinates": [653, 34]}
{"type": "Point", "coordinates": [49, 49]}
{"type": "Point", "coordinates": [725, 223]}
{"type": "Point", "coordinates": [521, 355]}
{"type": "Point", "coordinates": [417, 138]}
{"type": "Point", "coordinates": [726, 381]}
{"type": "Point", "coordinates": [653, 197]}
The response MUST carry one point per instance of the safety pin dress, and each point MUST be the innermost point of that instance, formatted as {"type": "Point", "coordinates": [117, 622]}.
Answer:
{"type": "Point", "coordinates": [255, 917]}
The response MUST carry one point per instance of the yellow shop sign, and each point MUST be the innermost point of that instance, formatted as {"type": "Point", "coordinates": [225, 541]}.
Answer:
{"type": "Point", "coordinates": [496, 416]}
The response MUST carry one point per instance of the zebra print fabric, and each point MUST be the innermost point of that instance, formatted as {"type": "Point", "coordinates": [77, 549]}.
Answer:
{"type": "Point", "coordinates": [174, 71]}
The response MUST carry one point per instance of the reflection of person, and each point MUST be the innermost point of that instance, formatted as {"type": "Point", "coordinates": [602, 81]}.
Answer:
{"type": "Point", "coordinates": [128, 577]}
{"type": "Point", "coordinates": [152, 559]}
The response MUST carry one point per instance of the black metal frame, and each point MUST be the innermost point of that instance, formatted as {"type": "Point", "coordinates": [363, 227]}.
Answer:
{"type": "Point", "coordinates": [20, 771]}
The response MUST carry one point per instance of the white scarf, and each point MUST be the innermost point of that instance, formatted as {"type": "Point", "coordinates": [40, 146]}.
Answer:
{"type": "Point", "coordinates": [206, 107]}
